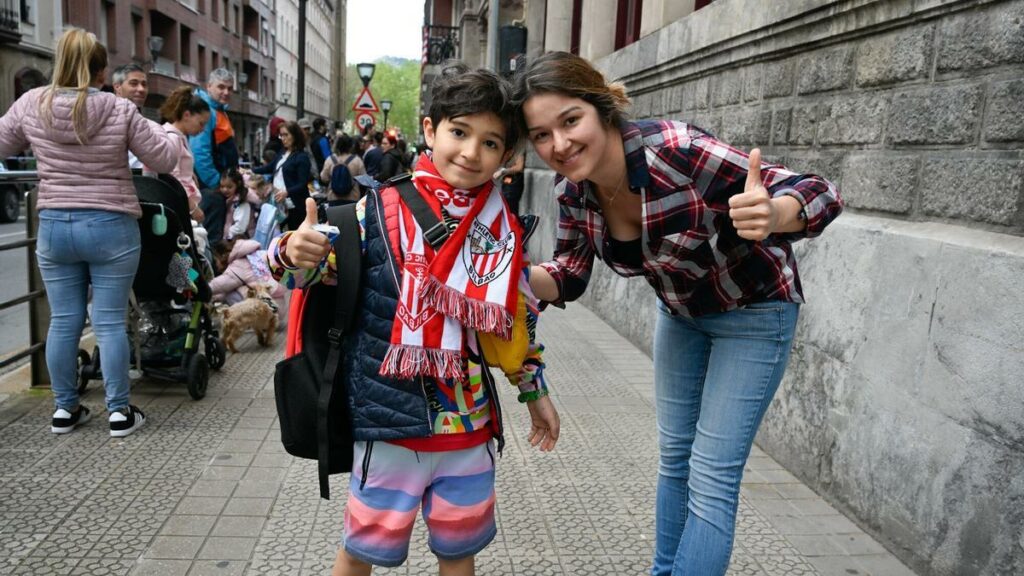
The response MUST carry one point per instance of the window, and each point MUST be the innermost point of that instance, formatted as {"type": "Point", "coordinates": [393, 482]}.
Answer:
{"type": "Point", "coordinates": [186, 46]}
{"type": "Point", "coordinates": [137, 36]}
{"type": "Point", "coordinates": [627, 22]}
{"type": "Point", "coordinates": [203, 70]}
{"type": "Point", "coordinates": [106, 24]}
{"type": "Point", "coordinates": [28, 11]}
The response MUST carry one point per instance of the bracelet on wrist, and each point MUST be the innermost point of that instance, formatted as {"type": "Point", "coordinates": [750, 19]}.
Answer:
{"type": "Point", "coordinates": [532, 395]}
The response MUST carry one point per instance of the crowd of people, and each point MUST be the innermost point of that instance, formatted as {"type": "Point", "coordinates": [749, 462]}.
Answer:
{"type": "Point", "coordinates": [709, 226]}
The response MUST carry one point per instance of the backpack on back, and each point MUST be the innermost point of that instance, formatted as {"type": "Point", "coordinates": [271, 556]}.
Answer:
{"type": "Point", "coordinates": [309, 388]}
{"type": "Point", "coordinates": [341, 179]}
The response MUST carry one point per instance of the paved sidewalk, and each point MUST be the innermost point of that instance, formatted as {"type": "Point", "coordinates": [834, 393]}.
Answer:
{"type": "Point", "coordinates": [206, 489]}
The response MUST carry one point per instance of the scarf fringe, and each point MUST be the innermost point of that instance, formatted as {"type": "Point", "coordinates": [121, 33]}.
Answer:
{"type": "Point", "coordinates": [407, 362]}
{"type": "Point", "coordinates": [477, 314]}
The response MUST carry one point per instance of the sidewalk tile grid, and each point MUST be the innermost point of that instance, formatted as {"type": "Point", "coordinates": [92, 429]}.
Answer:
{"type": "Point", "coordinates": [205, 487]}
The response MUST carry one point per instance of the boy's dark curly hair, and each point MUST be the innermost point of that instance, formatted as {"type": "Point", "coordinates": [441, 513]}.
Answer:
{"type": "Point", "coordinates": [460, 91]}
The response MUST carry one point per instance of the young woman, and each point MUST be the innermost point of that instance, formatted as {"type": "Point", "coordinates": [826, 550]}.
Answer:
{"type": "Point", "coordinates": [710, 228]}
{"type": "Point", "coordinates": [290, 170]}
{"type": "Point", "coordinates": [185, 115]}
{"type": "Point", "coordinates": [88, 211]}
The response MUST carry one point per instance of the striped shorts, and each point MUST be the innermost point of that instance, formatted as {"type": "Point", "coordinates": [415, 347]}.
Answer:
{"type": "Point", "coordinates": [455, 488]}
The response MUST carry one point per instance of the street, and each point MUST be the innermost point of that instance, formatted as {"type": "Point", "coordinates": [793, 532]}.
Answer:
{"type": "Point", "coordinates": [13, 321]}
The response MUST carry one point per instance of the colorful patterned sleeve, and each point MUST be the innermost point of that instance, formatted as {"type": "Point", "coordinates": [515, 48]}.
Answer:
{"type": "Point", "coordinates": [293, 277]}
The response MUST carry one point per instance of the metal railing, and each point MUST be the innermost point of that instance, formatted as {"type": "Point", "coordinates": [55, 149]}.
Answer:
{"type": "Point", "coordinates": [38, 306]}
{"type": "Point", "coordinates": [10, 17]}
{"type": "Point", "coordinates": [440, 43]}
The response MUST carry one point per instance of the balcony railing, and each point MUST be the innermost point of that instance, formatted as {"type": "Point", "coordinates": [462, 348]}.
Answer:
{"type": "Point", "coordinates": [440, 43]}
{"type": "Point", "coordinates": [187, 74]}
{"type": "Point", "coordinates": [10, 15]}
{"type": "Point", "coordinates": [165, 66]}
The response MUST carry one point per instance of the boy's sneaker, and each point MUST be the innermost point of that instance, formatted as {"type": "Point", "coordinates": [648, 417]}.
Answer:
{"type": "Point", "coordinates": [64, 421]}
{"type": "Point", "coordinates": [125, 421]}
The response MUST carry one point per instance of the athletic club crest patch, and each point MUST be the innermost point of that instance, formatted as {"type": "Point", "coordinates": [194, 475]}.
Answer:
{"type": "Point", "coordinates": [410, 308]}
{"type": "Point", "coordinates": [487, 256]}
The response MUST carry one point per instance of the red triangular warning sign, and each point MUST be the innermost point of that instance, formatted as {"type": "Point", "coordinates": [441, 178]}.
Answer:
{"type": "Point", "coordinates": [365, 102]}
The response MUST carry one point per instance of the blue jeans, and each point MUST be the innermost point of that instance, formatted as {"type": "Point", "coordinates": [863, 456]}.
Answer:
{"type": "Point", "coordinates": [714, 378]}
{"type": "Point", "coordinates": [214, 208]}
{"type": "Point", "coordinates": [77, 248]}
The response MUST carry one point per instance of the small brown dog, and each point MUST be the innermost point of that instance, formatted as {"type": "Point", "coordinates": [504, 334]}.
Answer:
{"type": "Point", "coordinates": [257, 312]}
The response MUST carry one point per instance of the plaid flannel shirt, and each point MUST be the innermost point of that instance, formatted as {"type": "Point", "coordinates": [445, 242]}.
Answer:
{"type": "Point", "coordinates": [692, 255]}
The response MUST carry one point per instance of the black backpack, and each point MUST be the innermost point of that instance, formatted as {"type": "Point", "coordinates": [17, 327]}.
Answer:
{"type": "Point", "coordinates": [341, 179]}
{"type": "Point", "coordinates": [310, 383]}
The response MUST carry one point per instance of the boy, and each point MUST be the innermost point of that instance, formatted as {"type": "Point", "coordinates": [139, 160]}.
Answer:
{"type": "Point", "coordinates": [424, 412]}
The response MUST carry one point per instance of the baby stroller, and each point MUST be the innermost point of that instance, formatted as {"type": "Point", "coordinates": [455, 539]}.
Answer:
{"type": "Point", "coordinates": [167, 325]}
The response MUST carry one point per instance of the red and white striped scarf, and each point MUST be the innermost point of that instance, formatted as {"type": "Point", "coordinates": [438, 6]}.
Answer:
{"type": "Point", "coordinates": [471, 282]}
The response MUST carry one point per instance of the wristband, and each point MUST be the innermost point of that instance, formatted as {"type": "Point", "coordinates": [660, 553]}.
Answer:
{"type": "Point", "coordinates": [532, 395]}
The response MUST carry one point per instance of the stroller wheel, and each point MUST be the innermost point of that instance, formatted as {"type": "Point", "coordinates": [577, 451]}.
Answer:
{"type": "Point", "coordinates": [198, 376]}
{"type": "Point", "coordinates": [83, 365]}
{"type": "Point", "coordinates": [215, 352]}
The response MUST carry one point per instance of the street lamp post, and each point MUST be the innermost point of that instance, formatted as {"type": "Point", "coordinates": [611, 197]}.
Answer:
{"type": "Point", "coordinates": [365, 71]}
{"type": "Point", "coordinates": [155, 45]}
{"type": "Point", "coordinates": [385, 105]}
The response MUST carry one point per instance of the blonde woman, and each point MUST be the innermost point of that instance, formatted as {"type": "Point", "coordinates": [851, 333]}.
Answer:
{"type": "Point", "coordinates": [88, 211]}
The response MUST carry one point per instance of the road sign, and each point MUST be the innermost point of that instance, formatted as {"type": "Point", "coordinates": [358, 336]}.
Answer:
{"type": "Point", "coordinates": [365, 121]}
{"type": "Point", "coordinates": [365, 102]}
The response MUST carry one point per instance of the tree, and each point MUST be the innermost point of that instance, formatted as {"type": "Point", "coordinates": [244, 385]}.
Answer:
{"type": "Point", "coordinates": [397, 80]}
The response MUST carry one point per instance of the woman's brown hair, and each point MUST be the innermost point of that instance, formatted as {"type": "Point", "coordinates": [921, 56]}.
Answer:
{"type": "Point", "coordinates": [182, 100]}
{"type": "Point", "coordinates": [569, 75]}
{"type": "Point", "coordinates": [298, 136]}
{"type": "Point", "coordinates": [77, 63]}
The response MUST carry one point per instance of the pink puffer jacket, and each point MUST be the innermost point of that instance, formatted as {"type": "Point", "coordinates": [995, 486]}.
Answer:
{"type": "Point", "coordinates": [96, 175]}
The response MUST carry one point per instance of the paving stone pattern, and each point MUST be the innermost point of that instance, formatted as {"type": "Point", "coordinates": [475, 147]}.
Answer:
{"type": "Point", "coordinates": [206, 489]}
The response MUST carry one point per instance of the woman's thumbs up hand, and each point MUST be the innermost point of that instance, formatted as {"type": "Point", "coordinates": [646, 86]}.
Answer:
{"type": "Point", "coordinates": [752, 212]}
{"type": "Point", "coordinates": [306, 247]}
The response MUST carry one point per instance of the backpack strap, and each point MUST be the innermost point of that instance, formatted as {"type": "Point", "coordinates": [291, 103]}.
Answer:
{"type": "Point", "coordinates": [434, 230]}
{"type": "Point", "coordinates": [348, 251]}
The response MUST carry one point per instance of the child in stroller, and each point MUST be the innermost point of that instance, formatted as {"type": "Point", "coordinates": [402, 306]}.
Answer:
{"type": "Point", "coordinates": [170, 303]}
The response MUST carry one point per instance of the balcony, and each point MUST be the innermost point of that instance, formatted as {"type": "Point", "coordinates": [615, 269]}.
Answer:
{"type": "Point", "coordinates": [10, 18]}
{"type": "Point", "coordinates": [165, 66]}
{"type": "Point", "coordinates": [252, 52]}
{"type": "Point", "coordinates": [440, 43]}
{"type": "Point", "coordinates": [187, 74]}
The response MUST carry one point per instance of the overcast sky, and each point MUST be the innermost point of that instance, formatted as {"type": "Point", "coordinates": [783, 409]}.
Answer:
{"type": "Point", "coordinates": [379, 28]}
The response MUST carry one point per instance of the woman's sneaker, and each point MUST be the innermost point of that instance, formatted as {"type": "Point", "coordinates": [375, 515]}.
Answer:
{"type": "Point", "coordinates": [64, 421]}
{"type": "Point", "coordinates": [125, 421]}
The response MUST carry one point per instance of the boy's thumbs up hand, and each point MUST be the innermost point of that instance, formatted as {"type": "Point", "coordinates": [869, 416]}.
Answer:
{"type": "Point", "coordinates": [306, 247]}
{"type": "Point", "coordinates": [752, 211]}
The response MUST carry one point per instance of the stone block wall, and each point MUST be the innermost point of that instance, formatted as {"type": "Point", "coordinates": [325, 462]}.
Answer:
{"type": "Point", "coordinates": [904, 400]}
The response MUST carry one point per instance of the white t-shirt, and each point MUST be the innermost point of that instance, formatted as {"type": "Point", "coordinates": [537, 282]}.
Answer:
{"type": "Point", "coordinates": [279, 174]}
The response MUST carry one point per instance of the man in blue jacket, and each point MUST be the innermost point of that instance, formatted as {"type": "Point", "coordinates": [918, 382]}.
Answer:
{"type": "Point", "coordinates": [215, 150]}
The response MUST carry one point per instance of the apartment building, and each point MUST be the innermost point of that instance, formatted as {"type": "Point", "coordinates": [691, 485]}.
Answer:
{"type": "Point", "coordinates": [321, 34]}
{"type": "Point", "coordinates": [28, 32]}
{"type": "Point", "coordinates": [181, 41]}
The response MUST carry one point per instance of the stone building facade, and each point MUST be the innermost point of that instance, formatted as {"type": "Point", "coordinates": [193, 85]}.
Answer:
{"type": "Point", "coordinates": [320, 58]}
{"type": "Point", "coordinates": [903, 403]}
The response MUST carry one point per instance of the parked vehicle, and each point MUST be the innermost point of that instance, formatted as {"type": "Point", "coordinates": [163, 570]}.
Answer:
{"type": "Point", "coordinates": [10, 199]}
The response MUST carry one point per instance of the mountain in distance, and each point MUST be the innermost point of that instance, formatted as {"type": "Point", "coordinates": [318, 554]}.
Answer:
{"type": "Point", "coordinates": [394, 60]}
